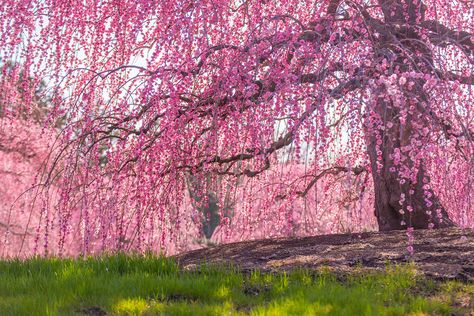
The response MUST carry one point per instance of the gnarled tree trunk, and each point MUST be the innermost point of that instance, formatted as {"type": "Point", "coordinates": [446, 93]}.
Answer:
{"type": "Point", "coordinates": [401, 201]}
{"type": "Point", "coordinates": [397, 132]}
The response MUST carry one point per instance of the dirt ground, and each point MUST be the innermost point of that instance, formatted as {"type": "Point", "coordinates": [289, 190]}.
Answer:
{"type": "Point", "coordinates": [440, 254]}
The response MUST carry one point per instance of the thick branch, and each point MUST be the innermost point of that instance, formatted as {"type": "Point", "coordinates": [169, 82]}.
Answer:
{"type": "Point", "coordinates": [284, 141]}
{"type": "Point", "coordinates": [334, 171]}
{"type": "Point", "coordinates": [441, 35]}
{"type": "Point", "coordinates": [329, 171]}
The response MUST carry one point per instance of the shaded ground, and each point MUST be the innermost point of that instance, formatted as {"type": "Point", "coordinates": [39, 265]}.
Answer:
{"type": "Point", "coordinates": [441, 254]}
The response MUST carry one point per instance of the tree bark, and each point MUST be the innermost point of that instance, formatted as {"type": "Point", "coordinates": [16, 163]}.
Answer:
{"type": "Point", "coordinates": [399, 123]}
{"type": "Point", "coordinates": [401, 201]}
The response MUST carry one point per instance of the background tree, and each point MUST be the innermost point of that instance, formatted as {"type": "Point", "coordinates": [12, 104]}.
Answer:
{"type": "Point", "coordinates": [24, 146]}
{"type": "Point", "coordinates": [205, 196]}
{"type": "Point", "coordinates": [239, 88]}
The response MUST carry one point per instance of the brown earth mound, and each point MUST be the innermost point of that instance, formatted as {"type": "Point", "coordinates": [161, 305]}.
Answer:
{"type": "Point", "coordinates": [442, 253]}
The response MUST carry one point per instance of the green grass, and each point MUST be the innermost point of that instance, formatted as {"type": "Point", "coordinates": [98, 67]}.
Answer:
{"type": "Point", "coordinates": [149, 285]}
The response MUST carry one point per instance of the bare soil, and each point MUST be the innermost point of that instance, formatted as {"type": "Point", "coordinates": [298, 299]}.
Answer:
{"type": "Point", "coordinates": [441, 253]}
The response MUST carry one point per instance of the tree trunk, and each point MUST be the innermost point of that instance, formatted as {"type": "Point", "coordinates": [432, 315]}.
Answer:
{"type": "Point", "coordinates": [398, 125]}
{"type": "Point", "coordinates": [403, 196]}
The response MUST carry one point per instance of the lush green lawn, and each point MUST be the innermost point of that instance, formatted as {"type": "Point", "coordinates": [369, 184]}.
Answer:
{"type": "Point", "coordinates": [133, 285]}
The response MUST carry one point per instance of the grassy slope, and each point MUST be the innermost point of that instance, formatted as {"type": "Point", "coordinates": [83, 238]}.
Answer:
{"type": "Point", "coordinates": [133, 285]}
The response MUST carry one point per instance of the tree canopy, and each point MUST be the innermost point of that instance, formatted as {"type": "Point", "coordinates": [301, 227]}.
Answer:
{"type": "Point", "coordinates": [247, 105]}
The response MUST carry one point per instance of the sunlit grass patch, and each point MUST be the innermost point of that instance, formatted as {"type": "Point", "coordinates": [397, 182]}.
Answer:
{"type": "Point", "coordinates": [150, 285]}
{"type": "Point", "coordinates": [129, 306]}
